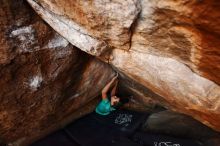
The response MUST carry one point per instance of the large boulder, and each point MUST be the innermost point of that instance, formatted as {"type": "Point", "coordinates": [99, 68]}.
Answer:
{"type": "Point", "coordinates": [166, 50]}
{"type": "Point", "coordinates": [176, 124]}
{"type": "Point", "coordinates": [44, 80]}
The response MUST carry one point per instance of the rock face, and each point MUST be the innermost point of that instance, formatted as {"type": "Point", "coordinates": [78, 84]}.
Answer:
{"type": "Point", "coordinates": [170, 47]}
{"type": "Point", "coordinates": [176, 124]}
{"type": "Point", "coordinates": [44, 80]}
{"type": "Point", "coordinates": [167, 53]}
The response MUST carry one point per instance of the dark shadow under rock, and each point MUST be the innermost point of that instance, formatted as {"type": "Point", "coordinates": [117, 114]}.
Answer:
{"type": "Point", "coordinates": [176, 124]}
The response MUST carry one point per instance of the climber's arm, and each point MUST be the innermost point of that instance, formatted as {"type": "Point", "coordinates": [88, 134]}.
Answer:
{"type": "Point", "coordinates": [107, 87]}
{"type": "Point", "coordinates": [113, 92]}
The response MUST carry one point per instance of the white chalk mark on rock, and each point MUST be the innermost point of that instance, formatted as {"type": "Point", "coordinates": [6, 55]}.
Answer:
{"type": "Point", "coordinates": [35, 82]}
{"type": "Point", "coordinates": [26, 38]}
{"type": "Point", "coordinates": [22, 30]}
{"type": "Point", "coordinates": [57, 41]}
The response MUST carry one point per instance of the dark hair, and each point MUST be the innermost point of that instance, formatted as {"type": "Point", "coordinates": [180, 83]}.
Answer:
{"type": "Point", "coordinates": [122, 101]}
{"type": "Point", "coordinates": [124, 98]}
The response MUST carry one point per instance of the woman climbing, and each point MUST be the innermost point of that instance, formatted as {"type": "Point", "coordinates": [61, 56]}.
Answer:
{"type": "Point", "coordinates": [109, 102]}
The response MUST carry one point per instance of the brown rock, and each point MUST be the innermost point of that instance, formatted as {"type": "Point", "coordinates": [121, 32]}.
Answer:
{"type": "Point", "coordinates": [167, 53]}
{"type": "Point", "coordinates": [43, 79]}
{"type": "Point", "coordinates": [99, 18]}
{"type": "Point", "coordinates": [173, 46]}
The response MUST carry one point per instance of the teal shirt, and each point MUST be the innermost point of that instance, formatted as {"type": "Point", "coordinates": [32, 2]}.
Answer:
{"type": "Point", "coordinates": [104, 107]}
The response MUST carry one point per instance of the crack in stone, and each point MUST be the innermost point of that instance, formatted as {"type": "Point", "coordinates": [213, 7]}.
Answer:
{"type": "Point", "coordinates": [94, 47]}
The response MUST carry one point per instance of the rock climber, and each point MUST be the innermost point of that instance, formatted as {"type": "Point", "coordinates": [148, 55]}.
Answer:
{"type": "Point", "coordinates": [110, 101]}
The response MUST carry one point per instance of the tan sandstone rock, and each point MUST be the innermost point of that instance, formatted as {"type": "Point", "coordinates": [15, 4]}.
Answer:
{"type": "Point", "coordinates": [170, 47]}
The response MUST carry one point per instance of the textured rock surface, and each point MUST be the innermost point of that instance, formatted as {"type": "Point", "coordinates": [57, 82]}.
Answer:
{"type": "Point", "coordinates": [180, 125]}
{"type": "Point", "coordinates": [176, 124]}
{"type": "Point", "coordinates": [99, 18]}
{"type": "Point", "coordinates": [170, 47]}
{"type": "Point", "coordinates": [167, 52]}
{"type": "Point", "coordinates": [44, 80]}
